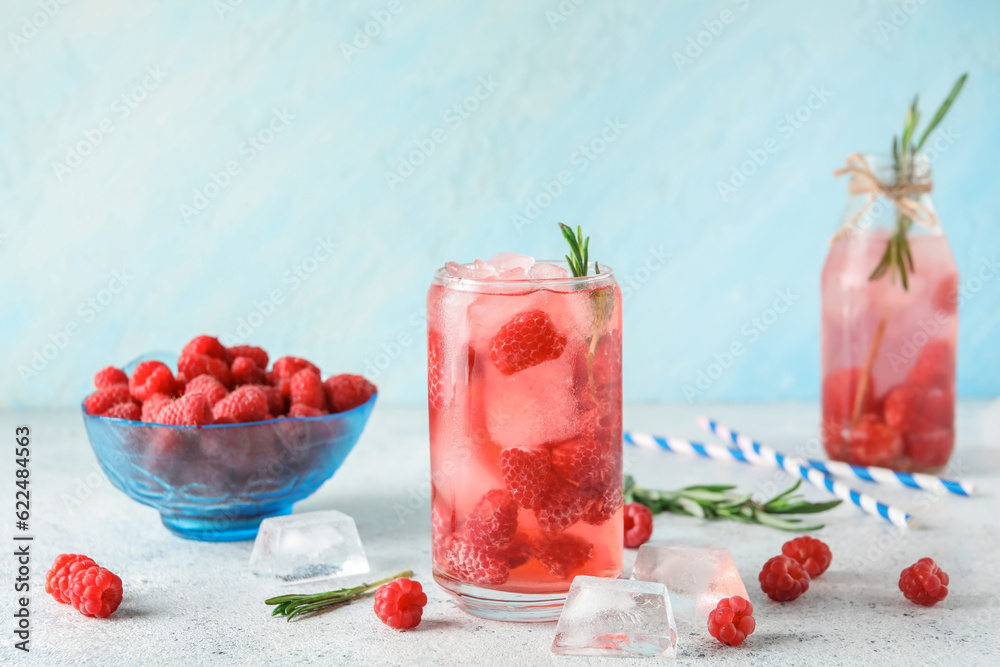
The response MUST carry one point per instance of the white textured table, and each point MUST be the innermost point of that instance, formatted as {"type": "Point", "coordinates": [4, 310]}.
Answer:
{"type": "Point", "coordinates": [193, 603]}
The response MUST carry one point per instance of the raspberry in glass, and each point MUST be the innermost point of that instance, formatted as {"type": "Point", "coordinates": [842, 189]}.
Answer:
{"type": "Point", "coordinates": [526, 340]}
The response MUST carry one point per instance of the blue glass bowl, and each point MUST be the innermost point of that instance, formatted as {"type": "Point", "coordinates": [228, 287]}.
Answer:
{"type": "Point", "coordinates": [217, 483]}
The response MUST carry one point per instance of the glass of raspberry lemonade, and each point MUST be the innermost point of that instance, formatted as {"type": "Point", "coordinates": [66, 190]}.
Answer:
{"type": "Point", "coordinates": [524, 394]}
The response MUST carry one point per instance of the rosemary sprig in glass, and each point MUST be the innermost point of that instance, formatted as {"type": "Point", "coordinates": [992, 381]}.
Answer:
{"type": "Point", "coordinates": [897, 258]}
{"type": "Point", "coordinates": [719, 501]}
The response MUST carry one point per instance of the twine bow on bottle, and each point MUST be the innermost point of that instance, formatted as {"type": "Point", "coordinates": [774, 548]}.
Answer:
{"type": "Point", "coordinates": [902, 195]}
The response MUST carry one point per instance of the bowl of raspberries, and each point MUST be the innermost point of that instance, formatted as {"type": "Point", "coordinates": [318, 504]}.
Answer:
{"type": "Point", "coordinates": [219, 438]}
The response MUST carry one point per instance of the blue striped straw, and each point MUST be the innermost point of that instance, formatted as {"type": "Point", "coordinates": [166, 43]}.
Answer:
{"type": "Point", "coordinates": [839, 469]}
{"type": "Point", "coordinates": [796, 468]}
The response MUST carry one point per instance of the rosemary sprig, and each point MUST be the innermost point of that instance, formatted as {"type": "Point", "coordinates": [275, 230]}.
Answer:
{"type": "Point", "coordinates": [579, 251]}
{"type": "Point", "coordinates": [897, 258]}
{"type": "Point", "coordinates": [719, 501]}
{"type": "Point", "coordinates": [291, 606]}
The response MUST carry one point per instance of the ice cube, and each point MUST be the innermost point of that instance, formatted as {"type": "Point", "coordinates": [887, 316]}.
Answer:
{"type": "Point", "coordinates": [308, 547]}
{"type": "Point", "coordinates": [697, 576]}
{"type": "Point", "coordinates": [506, 261]}
{"type": "Point", "coordinates": [456, 270]}
{"type": "Point", "coordinates": [545, 271]}
{"type": "Point", "coordinates": [616, 617]}
{"type": "Point", "coordinates": [483, 270]}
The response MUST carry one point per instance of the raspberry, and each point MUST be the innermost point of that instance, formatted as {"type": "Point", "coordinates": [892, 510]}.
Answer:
{"type": "Point", "coordinates": [840, 389]}
{"type": "Point", "coordinates": [638, 525]}
{"type": "Point", "coordinates": [812, 554]}
{"type": "Point", "coordinates": [285, 368]}
{"type": "Point", "coordinates": [193, 365]}
{"type": "Point", "coordinates": [180, 383]}
{"type": "Point", "coordinates": [188, 410]}
{"type": "Point", "coordinates": [783, 579]}
{"type": "Point", "coordinates": [563, 506]}
{"type": "Point", "coordinates": [128, 410]}
{"type": "Point", "coordinates": [492, 522]}
{"type": "Point", "coordinates": [565, 554]}
{"type": "Point", "coordinates": [913, 408]}
{"type": "Point", "coordinates": [107, 377]}
{"type": "Point", "coordinates": [604, 503]}
{"type": "Point", "coordinates": [151, 377]}
{"type": "Point", "coordinates": [520, 551]}
{"type": "Point", "coordinates": [206, 345]}
{"type": "Point", "coordinates": [95, 591]}
{"type": "Point", "coordinates": [256, 354]}
{"type": "Point", "coordinates": [400, 603]}
{"type": "Point", "coordinates": [477, 566]}
{"type": "Point", "coordinates": [872, 443]}
{"type": "Point", "coordinates": [901, 406]}
{"type": "Point", "coordinates": [935, 367]}
{"type": "Point", "coordinates": [945, 297]}
{"type": "Point", "coordinates": [527, 474]}
{"type": "Point", "coordinates": [151, 406]}
{"type": "Point", "coordinates": [245, 371]}
{"type": "Point", "coordinates": [585, 461]}
{"type": "Point", "coordinates": [245, 404]}
{"type": "Point", "coordinates": [924, 583]}
{"type": "Point", "coordinates": [435, 371]}
{"type": "Point", "coordinates": [346, 392]}
{"type": "Point", "coordinates": [275, 401]}
{"type": "Point", "coordinates": [298, 410]}
{"type": "Point", "coordinates": [732, 620]}
{"type": "Point", "coordinates": [58, 576]}
{"type": "Point", "coordinates": [207, 385]}
{"type": "Point", "coordinates": [103, 400]}
{"type": "Point", "coordinates": [307, 389]}
{"type": "Point", "coordinates": [605, 369]}
{"type": "Point", "coordinates": [442, 532]}
{"type": "Point", "coordinates": [526, 340]}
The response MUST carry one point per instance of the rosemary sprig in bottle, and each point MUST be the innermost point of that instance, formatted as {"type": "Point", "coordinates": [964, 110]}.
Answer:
{"type": "Point", "coordinates": [897, 258]}
{"type": "Point", "coordinates": [719, 501]}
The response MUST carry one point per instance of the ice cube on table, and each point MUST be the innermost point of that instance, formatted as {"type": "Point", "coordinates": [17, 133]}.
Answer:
{"type": "Point", "coordinates": [308, 547]}
{"type": "Point", "coordinates": [616, 617]}
{"type": "Point", "coordinates": [696, 576]}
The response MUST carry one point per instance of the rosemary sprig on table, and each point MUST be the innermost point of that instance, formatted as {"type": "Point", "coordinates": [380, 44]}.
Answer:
{"type": "Point", "coordinates": [897, 258]}
{"type": "Point", "coordinates": [291, 606]}
{"type": "Point", "coordinates": [719, 501]}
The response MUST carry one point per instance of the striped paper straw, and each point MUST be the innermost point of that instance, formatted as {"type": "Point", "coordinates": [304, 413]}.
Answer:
{"type": "Point", "coordinates": [840, 469]}
{"type": "Point", "coordinates": [865, 502]}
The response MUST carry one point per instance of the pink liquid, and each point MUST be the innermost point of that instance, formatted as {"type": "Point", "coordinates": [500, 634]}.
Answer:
{"type": "Point", "coordinates": [903, 418]}
{"type": "Point", "coordinates": [478, 411]}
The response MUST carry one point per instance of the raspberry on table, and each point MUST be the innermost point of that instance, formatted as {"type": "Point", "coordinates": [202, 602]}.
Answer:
{"type": "Point", "coordinates": [188, 410]}
{"type": "Point", "coordinates": [246, 371]}
{"type": "Point", "coordinates": [563, 506]}
{"type": "Point", "coordinates": [193, 365]}
{"type": "Point", "coordinates": [873, 443]}
{"type": "Point", "coordinates": [527, 473]}
{"type": "Point", "coordinates": [104, 399]}
{"type": "Point", "coordinates": [95, 591]}
{"type": "Point", "coordinates": [346, 392]}
{"type": "Point", "coordinates": [526, 340]}
{"type": "Point", "coordinates": [58, 576]}
{"type": "Point", "coordinates": [307, 389]}
{"type": "Point", "coordinates": [127, 410]}
{"type": "Point", "coordinates": [493, 521]}
{"type": "Point", "coordinates": [924, 583]}
{"type": "Point", "coordinates": [486, 567]}
{"type": "Point", "coordinates": [400, 603]}
{"type": "Point", "coordinates": [206, 345]}
{"type": "Point", "coordinates": [565, 554]}
{"type": "Point", "coordinates": [151, 406]}
{"type": "Point", "coordinates": [245, 404]}
{"type": "Point", "coordinates": [638, 525]}
{"type": "Point", "coordinates": [151, 377]}
{"type": "Point", "coordinates": [207, 385]}
{"type": "Point", "coordinates": [585, 461]}
{"type": "Point", "coordinates": [732, 620]}
{"type": "Point", "coordinates": [298, 410]}
{"type": "Point", "coordinates": [812, 554]}
{"type": "Point", "coordinates": [783, 579]}
{"type": "Point", "coordinates": [110, 376]}
{"type": "Point", "coordinates": [256, 354]}
{"type": "Point", "coordinates": [286, 367]}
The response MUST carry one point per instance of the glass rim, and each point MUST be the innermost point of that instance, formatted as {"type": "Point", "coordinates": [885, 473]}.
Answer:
{"type": "Point", "coordinates": [441, 277]}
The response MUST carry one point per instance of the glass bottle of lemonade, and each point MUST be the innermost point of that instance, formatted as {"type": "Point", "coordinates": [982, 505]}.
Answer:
{"type": "Point", "coordinates": [524, 393]}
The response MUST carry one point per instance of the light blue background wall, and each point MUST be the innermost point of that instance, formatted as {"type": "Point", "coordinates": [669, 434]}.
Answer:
{"type": "Point", "coordinates": [64, 232]}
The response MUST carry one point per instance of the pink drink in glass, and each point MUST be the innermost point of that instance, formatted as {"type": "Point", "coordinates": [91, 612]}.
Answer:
{"type": "Point", "coordinates": [524, 393]}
